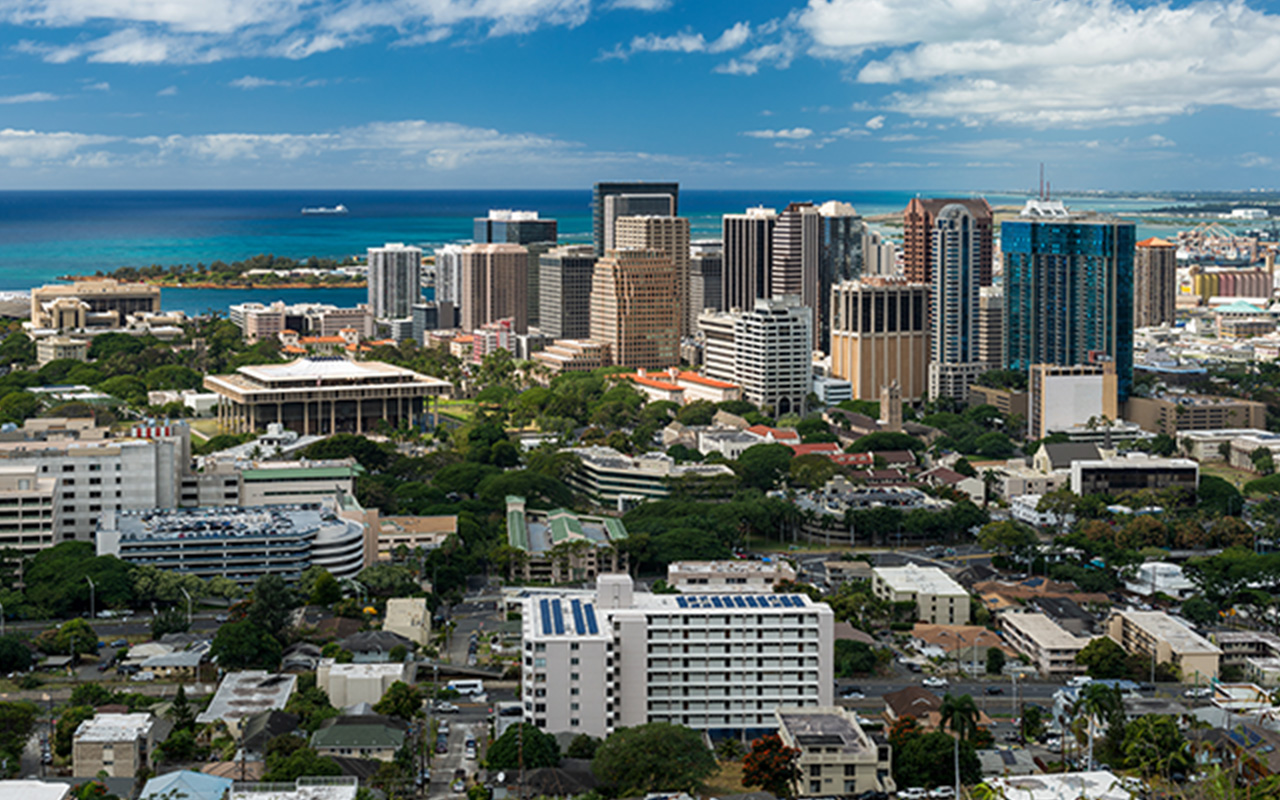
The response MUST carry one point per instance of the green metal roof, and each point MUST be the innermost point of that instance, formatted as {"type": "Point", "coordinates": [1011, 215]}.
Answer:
{"type": "Point", "coordinates": [616, 530]}
{"type": "Point", "coordinates": [302, 473]}
{"type": "Point", "coordinates": [517, 531]}
{"type": "Point", "coordinates": [1238, 307]}
{"type": "Point", "coordinates": [564, 525]}
{"type": "Point", "coordinates": [358, 736]}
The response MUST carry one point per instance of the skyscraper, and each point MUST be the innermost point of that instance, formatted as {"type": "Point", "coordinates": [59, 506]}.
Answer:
{"type": "Point", "coordinates": [956, 251]}
{"type": "Point", "coordinates": [918, 223]}
{"type": "Point", "coordinates": [601, 191]}
{"type": "Point", "coordinates": [449, 274]}
{"type": "Point", "coordinates": [706, 273]}
{"type": "Point", "coordinates": [495, 285]}
{"type": "Point", "coordinates": [767, 350]}
{"type": "Point", "coordinates": [795, 257]}
{"type": "Point", "coordinates": [839, 259]}
{"type": "Point", "coordinates": [665, 234]}
{"type": "Point", "coordinates": [748, 256]}
{"type": "Point", "coordinates": [991, 326]}
{"type": "Point", "coordinates": [564, 278]}
{"type": "Point", "coordinates": [880, 334]}
{"type": "Point", "coordinates": [1155, 283]}
{"type": "Point", "coordinates": [633, 205]}
{"type": "Point", "coordinates": [513, 227]}
{"type": "Point", "coordinates": [395, 280]}
{"type": "Point", "coordinates": [1068, 290]}
{"type": "Point", "coordinates": [634, 309]}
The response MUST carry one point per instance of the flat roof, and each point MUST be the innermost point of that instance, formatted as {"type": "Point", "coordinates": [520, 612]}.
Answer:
{"type": "Point", "coordinates": [1179, 637]}
{"type": "Point", "coordinates": [114, 727]}
{"type": "Point", "coordinates": [243, 694]}
{"type": "Point", "coordinates": [729, 567]}
{"type": "Point", "coordinates": [365, 670]}
{"type": "Point", "coordinates": [1096, 785]}
{"type": "Point", "coordinates": [914, 578]}
{"type": "Point", "coordinates": [34, 790]}
{"type": "Point", "coordinates": [824, 728]}
{"type": "Point", "coordinates": [1045, 632]}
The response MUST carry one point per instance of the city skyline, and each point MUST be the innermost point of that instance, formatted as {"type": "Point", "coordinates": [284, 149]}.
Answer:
{"type": "Point", "coordinates": [561, 93]}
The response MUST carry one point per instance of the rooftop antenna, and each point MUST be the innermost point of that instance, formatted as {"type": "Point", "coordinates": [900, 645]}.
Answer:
{"type": "Point", "coordinates": [1041, 180]}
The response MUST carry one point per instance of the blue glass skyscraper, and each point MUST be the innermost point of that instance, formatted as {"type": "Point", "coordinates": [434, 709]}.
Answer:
{"type": "Point", "coordinates": [1068, 290]}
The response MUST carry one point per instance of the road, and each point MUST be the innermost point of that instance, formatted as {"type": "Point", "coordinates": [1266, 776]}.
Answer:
{"type": "Point", "coordinates": [471, 721]}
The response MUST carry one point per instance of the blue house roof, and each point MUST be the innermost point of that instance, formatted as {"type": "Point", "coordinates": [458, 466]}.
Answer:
{"type": "Point", "coordinates": [188, 784]}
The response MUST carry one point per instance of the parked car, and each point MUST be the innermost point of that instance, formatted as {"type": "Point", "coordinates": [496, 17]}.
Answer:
{"type": "Point", "coordinates": [1198, 692]}
{"type": "Point", "coordinates": [914, 793]}
{"type": "Point", "coordinates": [120, 643]}
{"type": "Point", "coordinates": [221, 618]}
{"type": "Point", "coordinates": [142, 677]}
{"type": "Point", "coordinates": [443, 707]}
{"type": "Point", "coordinates": [995, 690]}
{"type": "Point", "coordinates": [935, 682]}
{"type": "Point", "coordinates": [469, 749]}
{"type": "Point", "coordinates": [442, 744]}
{"type": "Point", "coordinates": [942, 792]}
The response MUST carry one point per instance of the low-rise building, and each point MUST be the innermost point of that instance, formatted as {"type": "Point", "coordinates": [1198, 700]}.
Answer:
{"type": "Point", "coordinates": [837, 757]}
{"type": "Point", "coordinates": [410, 617]}
{"type": "Point", "coordinates": [938, 598]}
{"type": "Point", "coordinates": [349, 684]}
{"type": "Point", "coordinates": [1095, 785]}
{"type": "Point", "coordinates": [1173, 413]}
{"type": "Point", "coordinates": [1051, 648]}
{"type": "Point", "coordinates": [360, 736]}
{"type": "Point", "coordinates": [574, 355]}
{"type": "Point", "coordinates": [393, 533]}
{"type": "Point", "coordinates": [560, 546]}
{"type": "Point", "coordinates": [718, 577]}
{"type": "Point", "coordinates": [117, 744]}
{"type": "Point", "coordinates": [1159, 577]}
{"type": "Point", "coordinates": [343, 787]}
{"type": "Point", "coordinates": [59, 348]}
{"type": "Point", "coordinates": [1018, 479]}
{"type": "Point", "coordinates": [243, 694]}
{"type": "Point", "coordinates": [1155, 632]}
{"type": "Point", "coordinates": [611, 477]}
{"type": "Point", "coordinates": [1133, 472]}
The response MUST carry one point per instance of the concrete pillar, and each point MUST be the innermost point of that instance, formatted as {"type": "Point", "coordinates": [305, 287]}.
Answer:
{"type": "Point", "coordinates": [306, 417]}
{"type": "Point", "coordinates": [333, 417]}
{"type": "Point", "coordinates": [359, 415]}
{"type": "Point", "coordinates": [280, 412]}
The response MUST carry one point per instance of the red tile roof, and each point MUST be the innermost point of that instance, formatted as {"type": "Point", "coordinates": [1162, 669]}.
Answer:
{"type": "Point", "coordinates": [693, 377]}
{"type": "Point", "coordinates": [777, 433]}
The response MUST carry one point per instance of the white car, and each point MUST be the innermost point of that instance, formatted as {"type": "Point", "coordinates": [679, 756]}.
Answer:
{"type": "Point", "coordinates": [914, 793]}
{"type": "Point", "coordinates": [934, 682]}
{"type": "Point", "coordinates": [1198, 692]}
{"type": "Point", "coordinates": [942, 792]}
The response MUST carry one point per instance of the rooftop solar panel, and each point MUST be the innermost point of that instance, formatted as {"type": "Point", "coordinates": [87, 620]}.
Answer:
{"type": "Point", "coordinates": [751, 601]}
{"type": "Point", "coordinates": [590, 612]}
{"type": "Point", "coordinates": [546, 617]}
{"type": "Point", "coordinates": [579, 624]}
{"type": "Point", "coordinates": [557, 617]}
{"type": "Point", "coordinates": [715, 601]}
{"type": "Point", "coordinates": [740, 602]}
{"type": "Point", "coordinates": [683, 602]}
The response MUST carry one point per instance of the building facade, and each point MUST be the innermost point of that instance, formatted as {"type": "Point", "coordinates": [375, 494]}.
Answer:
{"type": "Point", "coordinates": [1051, 648]}
{"type": "Point", "coordinates": [449, 274]}
{"type": "Point", "coordinates": [513, 227]}
{"type": "Point", "coordinates": [669, 236]}
{"type": "Point", "coordinates": [837, 757]}
{"type": "Point", "coordinates": [564, 278]}
{"type": "Point", "coordinates": [748, 255]}
{"type": "Point", "coordinates": [939, 599]}
{"type": "Point", "coordinates": [955, 302]}
{"type": "Point", "coordinates": [1172, 413]}
{"type": "Point", "coordinates": [101, 303]}
{"type": "Point", "coordinates": [880, 334]}
{"type": "Point", "coordinates": [1155, 283]}
{"type": "Point", "coordinates": [796, 258]}
{"type": "Point", "coordinates": [1133, 472]}
{"type": "Point", "coordinates": [634, 308]}
{"type": "Point", "coordinates": [495, 285]}
{"type": "Point", "coordinates": [919, 223]}
{"type": "Point", "coordinates": [768, 351]}
{"type": "Point", "coordinates": [28, 509]}
{"type": "Point", "coordinates": [706, 278]}
{"type": "Point", "coordinates": [117, 744]}
{"type": "Point", "coordinates": [1156, 634]}
{"type": "Point", "coordinates": [991, 326]}
{"type": "Point", "coordinates": [258, 321]}
{"type": "Point", "coordinates": [1068, 287]}
{"type": "Point", "coordinates": [602, 191]}
{"type": "Point", "coordinates": [840, 236]}
{"type": "Point", "coordinates": [395, 280]}
{"type": "Point", "coordinates": [617, 658]}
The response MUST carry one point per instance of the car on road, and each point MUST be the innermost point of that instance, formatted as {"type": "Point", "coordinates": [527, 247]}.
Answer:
{"type": "Point", "coordinates": [942, 792]}
{"type": "Point", "coordinates": [444, 707]}
{"type": "Point", "coordinates": [469, 749]}
{"type": "Point", "coordinates": [935, 682]}
{"type": "Point", "coordinates": [852, 695]}
{"type": "Point", "coordinates": [143, 677]}
{"type": "Point", "coordinates": [914, 793]}
{"type": "Point", "coordinates": [120, 643]}
{"type": "Point", "coordinates": [221, 618]}
{"type": "Point", "coordinates": [995, 690]}
{"type": "Point", "coordinates": [1198, 692]}
{"type": "Point", "coordinates": [442, 744]}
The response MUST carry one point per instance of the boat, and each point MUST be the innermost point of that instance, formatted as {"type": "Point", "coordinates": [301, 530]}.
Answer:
{"type": "Point", "coordinates": [338, 209]}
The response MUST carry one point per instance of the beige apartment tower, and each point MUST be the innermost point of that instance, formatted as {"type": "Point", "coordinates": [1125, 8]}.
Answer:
{"type": "Point", "coordinates": [634, 308]}
{"type": "Point", "coordinates": [880, 334]}
{"type": "Point", "coordinates": [1155, 283]}
{"type": "Point", "coordinates": [668, 235]}
{"type": "Point", "coordinates": [495, 285]}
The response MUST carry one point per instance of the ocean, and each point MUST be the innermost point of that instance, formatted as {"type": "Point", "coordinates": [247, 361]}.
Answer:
{"type": "Point", "coordinates": [49, 234]}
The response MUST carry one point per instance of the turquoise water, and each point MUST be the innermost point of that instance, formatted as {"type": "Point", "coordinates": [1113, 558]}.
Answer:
{"type": "Point", "coordinates": [45, 235]}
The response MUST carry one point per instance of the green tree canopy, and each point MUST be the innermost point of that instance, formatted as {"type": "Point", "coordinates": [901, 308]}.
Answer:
{"type": "Point", "coordinates": [876, 442]}
{"type": "Point", "coordinates": [653, 757]}
{"type": "Point", "coordinates": [14, 654]}
{"type": "Point", "coordinates": [762, 465]}
{"type": "Point", "coordinates": [401, 700]}
{"type": "Point", "coordinates": [1104, 659]}
{"type": "Point", "coordinates": [540, 749]}
{"type": "Point", "coordinates": [245, 645]}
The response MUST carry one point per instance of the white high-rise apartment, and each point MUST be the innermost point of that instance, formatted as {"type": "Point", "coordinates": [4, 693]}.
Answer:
{"type": "Point", "coordinates": [395, 280]}
{"type": "Point", "coordinates": [449, 274]}
{"type": "Point", "coordinates": [954, 303]}
{"type": "Point", "coordinates": [598, 661]}
{"type": "Point", "coordinates": [768, 351]}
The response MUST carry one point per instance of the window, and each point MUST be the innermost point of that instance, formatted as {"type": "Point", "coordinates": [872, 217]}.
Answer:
{"type": "Point", "coordinates": [573, 723]}
{"type": "Point", "coordinates": [573, 676]}
{"type": "Point", "coordinates": [815, 770]}
{"type": "Point", "coordinates": [573, 662]}
{"type": "Point", "coordinates": [815, 787]}
{"type": "Point", "coordinates": [68, 468]}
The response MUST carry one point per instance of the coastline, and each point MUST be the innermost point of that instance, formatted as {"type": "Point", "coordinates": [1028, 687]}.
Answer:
{"type": "Point", "coordinates": [163, 284]}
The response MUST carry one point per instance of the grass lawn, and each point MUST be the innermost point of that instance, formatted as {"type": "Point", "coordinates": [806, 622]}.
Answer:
{"type": "Point", "coordinates": [761, 545]}
{"type": "Point", "coordinates": [1236, 477]}
{"type": "Point", "coordinates": [206, 428]}
{"type": "Point", "coordinates": [458, 409]}
{"type": "Point", "coordinates": [726, 780]}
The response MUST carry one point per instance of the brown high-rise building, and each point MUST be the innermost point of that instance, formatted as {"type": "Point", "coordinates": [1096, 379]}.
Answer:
{"type": "Point", "coordinates": [669, 235]}
{"type": "Point", "coordinates": [918, 223]}
{"type": "Point", "coordinates": [797, 247]}
{"type": "Point", "coordinates": [880, 334]}
{"type": "Point", "coordinates": [1155, 283]}
{"type": "Point", "coordinates": [495, 285]}
{"type": "Point", "coordinates": [634, 308]}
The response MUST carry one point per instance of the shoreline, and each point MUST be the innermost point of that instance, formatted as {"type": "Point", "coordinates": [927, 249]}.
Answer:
{"type": "Point", "coordinates": [208, 285]}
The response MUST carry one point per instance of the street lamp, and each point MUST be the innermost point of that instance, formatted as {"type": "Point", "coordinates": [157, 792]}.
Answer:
{"type": "Point", "coordinates": [188, 594]}
{"type": "Point", "coordinates": [91, 589]}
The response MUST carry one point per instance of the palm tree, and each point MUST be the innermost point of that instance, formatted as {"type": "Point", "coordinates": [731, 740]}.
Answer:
{"type": "Point", "coordinates": [989, 481]}
{"type": "Point", "coordinates": [960, 714]}
{"type": "Point", "coordinates": [1096, 701]}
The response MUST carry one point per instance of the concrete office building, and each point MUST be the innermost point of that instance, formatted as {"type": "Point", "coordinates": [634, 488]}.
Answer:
{"type": "Point", "coordinates": [449, 274]}
{"type": "Point", "coordinates": [880, 334]}
{"type": "Point", "coordinates": [560, 546]}
{"type": "Point", "coordinates": [1051, 648]}
{"type": "Point", "coordinates": [768, 351]}
{"type": "Point", "coordinates": [395, 280]}
{"type": "Point", "coordinates": [28, 509]}
{"type": "Point", "coordinates": [614, 658]}
{"type": "Point", "coordinates": [117, 744]}
{"type": "Point", "coordinates": [1155, 283]}
{"type": "Point", "coordinates": [258, 321]}
{"type": "Point", "coordinates": [706, 278]}
{"type": "Point", "coordinates": [495, 285]}
{"type": "Point", "coordinates": [1132, 472]}
{"type": "Point", "coordinates": [242, 544]}
{"type": "Point", "coordinates": [634, 308]}
{"type": "Point", "coordinates": [991, 326]}
{"type": "Point", "coordinates": [610, 477]}
{"type": "Point", "coordinates": [1172, 413]}
{"type": "Point", "coordinates": [748, 256]}
{"type": "Point", "coordinates": [939, 599]}
{"type": "Point", "coordinates": [919, 223]}
{"type": "Point", "coordinates": [720, 577]}
{"type": "Point", "coordinates": [513, 227]}
{"type": "Point", "coordinates": [434, 316]}
{"type": "Point", "coordinates": [94, 473]}
{"type": "Point", "coordinates": [956, 251]}
{"type": "Point", "coordinates": [100, 303]}
{"type": "Point", "coordinates": [565, 291]}
{"type": "Point", "coordinates": [1068, 290]}
{"type": "Point", "coordinates": [602, 222]}
{"type": "Point", "coordinates": [666, 235]}
{"type": "Point", "coordinates": [795, 261]}
{"type": "Point", "coordinates": [840, 238]}
{"type": "Point", "coordinates": [574, 355]}
{"type": "Point", "coordinates": [837, 757]}
{"type": "Point", "coordinates": [633, 205]}
{"type": "Point", "coordinates": [322, 395]}
{"type": "Point", "coordinates": [61, 348]}
{"type": "Point", "coordinates": [350, 684]}
{"type": "Point", "coordinates": [1171, 642]}
{"type": "Point", "coordinates": [880, 256]}
{"type": "Point", "coordinates": [1061, 397]}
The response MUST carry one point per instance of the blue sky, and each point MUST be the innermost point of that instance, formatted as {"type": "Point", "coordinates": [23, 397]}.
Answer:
{"type": "Point", "coordinates": [856, 94]}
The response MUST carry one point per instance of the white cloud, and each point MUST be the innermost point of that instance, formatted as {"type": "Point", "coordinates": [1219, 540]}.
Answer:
{"type": "Point", "coordinates": [1156, 140]}
{"type": "Point", "coordinates": [642, 5]}
{"type": "Point", "coordinates": [29, 97]}
{"type": "Point", "coordinates": [254, 82]}
{"type": "Point", "coordinates": [33, 148]}
{"type": "Point", "coordinates": [778, 54]}
{"type": "Point", "coordinates": [168, 91]}
{"type": "Point", "coordinates": [848, 132]}
{"type": "Point", "coordinates": [1046, 63]}
{"type": "Point", "coordinates": [785, 133]}
{"type": "Point", "coordinates": [876, 123]}
{"type": "Point", "coordinates": [685, 42]}
{"type": "Point", "coordinates": [100, 86]}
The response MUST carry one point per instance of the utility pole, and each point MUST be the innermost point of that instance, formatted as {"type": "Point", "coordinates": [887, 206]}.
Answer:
{"type": "Point", "coordinates": [91, 590]}
{"type": "Point", "coordinates": [188, 594]}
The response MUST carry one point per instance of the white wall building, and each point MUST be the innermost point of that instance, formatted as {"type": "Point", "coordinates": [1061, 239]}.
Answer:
{"type": "Point", "coordinates": [938, 598]}
{"type": "Point", "coordinates": [449, 274]}
{"type": "Point", "coordinates": [598, 661]}
{"type": "Point", "coordinates": [768, 351]}
{"type": "Point", "coordinates": [738, 575]}
{"type": "Point", "coordinates": [1051, 648]}
{"type": "Point", "coordinates": [1158, 576]}
{"type": "Point", "coordinates": [395, 280]}
{"type": "Point", "coordinates": [349, 684]}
